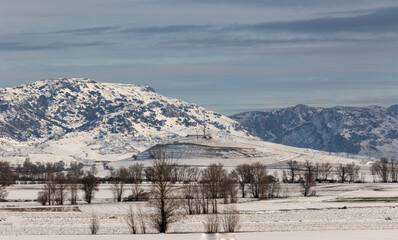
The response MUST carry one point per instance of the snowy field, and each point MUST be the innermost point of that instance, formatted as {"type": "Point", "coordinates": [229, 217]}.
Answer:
{"type": "Point", "coordinates": [324, 235]}
{"type": "Point", "coordinates": [339, 211]}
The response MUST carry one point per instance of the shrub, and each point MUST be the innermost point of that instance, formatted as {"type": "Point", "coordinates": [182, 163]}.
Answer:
{"type": "Point", "coordinates": [211, 223]}
{"type": "Point", "coordinates": [42, 198]}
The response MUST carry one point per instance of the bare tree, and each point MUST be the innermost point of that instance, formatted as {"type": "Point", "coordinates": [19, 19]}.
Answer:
{"type": "Point", "coordinates": [189, 190]}
{"type": "Point", "coordinates": [326, 170]}
{"type": "Point", "coordinates": [229, 190]}
{"type": "Point", "coordinates": [193, 174]}
{"type": "Point", "coordinates": [242, 174]}
{"type": "Point", "coordinates": [309, 167]}
{"type": "Point", "coordinates": [149, 174]}
{"type": "Point", "coordinates": [212, 223]}
{"type": "Point", "coordinates": [142, 219]}
{"type": "Point", "coordinates": [211, 183]}
{"type": "Point", "coordinates": [131, 220]}
{"type": "Point", "coordinates": [205, 197]}
{"type": "Point", "coordinates": [93, 170]}
{"type": "Point", "coordinates": [230, 219]}
{"type": "Point", "coordinates": [73, 177]}
{"type": "Point", "coordinates": [394, 169]}
{"type": "Point", "coordinates": [89, 186]}
{"type": "Point", "coordinates": [317, 171]}
{"type": "Point", "coordinates": [136, 172]}
{"type": "Point", "coordinates": [49, 188]}
{"type": "Point", "coordinates": [42, 197]}
{"type": "Point", "coordinates": [307, 181]}
{"type": "Point", "coordinates": [138, 194]}
{"type": "Point", "coordinates": [182, 173]}
{"type": "Point", "coordinates": [353, 172]}
{"type": "Point", "coordinates": [284, 177]}
{"type": "Point", "coordinates": [119, 178]}
{"type": "Point", "coordinates": [163, 200]}
{"type": "Point", "coordinates": [258, 180]}
{"type": "Point", "coordinates": [374, 169]}
{"type": "Point", "coordinates": [294, 169]}
{"type": "Point", "coordinates": [382, 169]}
{"type": "Point", "coordinates": [6, 178]}
{"type": "Point", "coordinates": [274, 186]}
{"type": "Point", "coordinates": [75, 169]}
{"type": "Point", "coordinates": [6, 174]}
{"type": "Point", "coordinates": [73, 186]}
{"type": "Point", "coordinates": [187, 174]}
{"type": "Point", "coordinates": [61, 185]}
{"type": "Point", "coordinates": [94, 224]}
{"type": "Point", "coordinates": [342, 173]}
{"type": "Point", "coordinates": [197, 202]}
{"type": "Point", "coordinates": [3, 194]}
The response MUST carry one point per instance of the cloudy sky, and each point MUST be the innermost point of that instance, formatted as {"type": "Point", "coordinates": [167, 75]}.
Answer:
{"type": "Point", "coordinates": [227, 55]}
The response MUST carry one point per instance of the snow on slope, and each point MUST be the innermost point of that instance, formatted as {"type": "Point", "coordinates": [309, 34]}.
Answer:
{"type": "Point", "coordinates": [201, 153]}
{"type": "Point", "coordinates": [369, 131]}
{"type": "Point", "coordinates": [81, 119]}
{"type": "Point", "coordinates": [86, 119]}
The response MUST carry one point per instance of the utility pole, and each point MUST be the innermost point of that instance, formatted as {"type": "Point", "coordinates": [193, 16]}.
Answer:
{"type": "Point", "coordinates": [204, 124]}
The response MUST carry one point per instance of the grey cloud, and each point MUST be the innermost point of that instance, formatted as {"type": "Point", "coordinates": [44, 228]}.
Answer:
{"type": "Point", "coordinates": [346, 13]}
{"type": "Point", "coordinates": [167, 29]}
{"type": "Point", "coordinates": [379, 20]}
{"type": "Point", "coordinates": [88, 31]}
{"type": "Point", "coordinates": [285, 3]}
{"type": "Point", "coordinates": [20, 46]}
{"type": "Point", "coordinates": [382, 20]}
{"type": "Point", "coordinates": [140, 30]}
{"type": "Point", "coordinates": [227, 41]}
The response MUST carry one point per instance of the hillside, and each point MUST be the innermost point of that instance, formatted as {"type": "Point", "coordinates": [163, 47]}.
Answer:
{"type": "Point", "coordinates": [85, 119]}
{"type": "Point", "coordinates": [368, 131]}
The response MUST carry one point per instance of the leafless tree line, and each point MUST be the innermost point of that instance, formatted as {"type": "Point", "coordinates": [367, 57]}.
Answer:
{"type": "Point", "coordinates": [321, 172]}
{"type": "Point", "coordinates": [308, 173]}
{"type": "Point", "coordinates": [385, 170]}
{"type": "Point", "coordinates": [60, 186]}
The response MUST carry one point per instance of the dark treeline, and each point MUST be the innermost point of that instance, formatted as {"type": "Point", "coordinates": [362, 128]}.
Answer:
{"type": "Point", "coordinates": [324, 172]}
{"type": "Point", "coordinates": [29, 171]}
{"type": "Point", "coordinates": [201, 188]}
{"type": "Point", "coordinates": [385, 170]}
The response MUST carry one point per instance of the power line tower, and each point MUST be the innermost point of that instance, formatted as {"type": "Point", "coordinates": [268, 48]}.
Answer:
{"type": "Point", "coordinates": [204, 124]}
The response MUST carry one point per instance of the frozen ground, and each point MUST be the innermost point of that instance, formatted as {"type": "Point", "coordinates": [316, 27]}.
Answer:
{"type": "Point", "coordinates": [301, 235]}
{"type": "Point", "coordinates": [358, 209]}
{"type": "Point", "coordinates": [273, 155]}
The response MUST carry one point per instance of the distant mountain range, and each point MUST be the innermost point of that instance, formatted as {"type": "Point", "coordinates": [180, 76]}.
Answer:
{"type": "Point", "coordinates": [77, 118]}
{"type": "Point", "coordinates": [370, 131]}
{"type": "Point", "coordinates": [93, 120]}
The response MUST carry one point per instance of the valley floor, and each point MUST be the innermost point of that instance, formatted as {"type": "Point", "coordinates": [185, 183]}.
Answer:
{"type": "Point", "coordinates": [300, 235]}
{"type": "Point", "coordinates": [339, 211]}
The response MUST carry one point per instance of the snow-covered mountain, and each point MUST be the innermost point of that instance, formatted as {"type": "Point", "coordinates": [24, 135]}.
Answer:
{"type": "Point", "coordinates": [85, 119]}
{"type": "Point", "coordinates": [369, 131]}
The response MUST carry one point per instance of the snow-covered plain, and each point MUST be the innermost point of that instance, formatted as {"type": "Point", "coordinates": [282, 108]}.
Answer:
{"type": "Point", "coordinates": [301, 235]}
{"type": "Point", "coordinates": [319, 217]}
{"type": "Point", "coordinates": [273, 155]}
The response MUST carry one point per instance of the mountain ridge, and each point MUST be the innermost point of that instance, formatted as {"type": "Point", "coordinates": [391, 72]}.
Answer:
{"type": "Point", "coordinates": [110, 119]}
{"type": "Point", "coordinates": [370, 131]}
